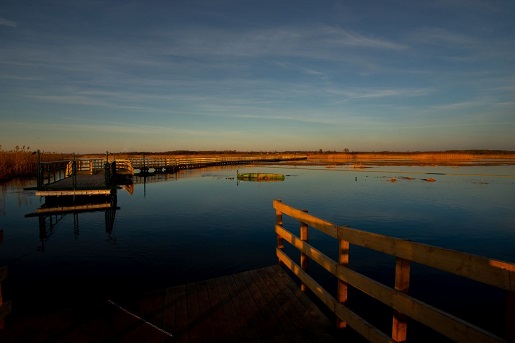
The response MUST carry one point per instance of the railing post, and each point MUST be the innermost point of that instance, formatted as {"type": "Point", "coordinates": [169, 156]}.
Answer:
{"type": "Point", "coordinates": [40, 171]}
{"type": "Point", "coordinates": [402, 276]}
{"type": "Point", "coordinates": [279, 222]}
{"type": "Point", "coordinates": [343, 259]}
{"type": "Point", "coordinates": [74, 172]}
{"type": "Point", "coordinates": [303, 257]}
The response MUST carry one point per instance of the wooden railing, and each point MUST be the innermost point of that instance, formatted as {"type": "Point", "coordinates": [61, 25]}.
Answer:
{"type": "Point", "coordinates": [144, 163]}
{"type": "Point", "coordinates": [49, 172]}
{"type": "Point", "coordinates": [492, 272]}
{"type": "Point", "coordinates": [125, 165]}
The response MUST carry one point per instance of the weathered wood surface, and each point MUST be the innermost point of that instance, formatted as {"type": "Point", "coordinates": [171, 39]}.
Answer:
{"type": "Point", "coordinates": [262, 305]}
{"type": "Point", "coordinates": [78, 185]}
{"type": "Point", "coordinates": [83, 181]}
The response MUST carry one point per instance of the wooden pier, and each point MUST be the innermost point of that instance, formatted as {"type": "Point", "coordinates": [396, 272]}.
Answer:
{"type": "Point", "coordinates": [81, 177]}
{"type": "Point", "coordinates": [262, 305]}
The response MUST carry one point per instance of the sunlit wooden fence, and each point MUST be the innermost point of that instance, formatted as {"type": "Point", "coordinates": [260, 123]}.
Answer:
{"type": "Point", "coordinates": [492, 272]}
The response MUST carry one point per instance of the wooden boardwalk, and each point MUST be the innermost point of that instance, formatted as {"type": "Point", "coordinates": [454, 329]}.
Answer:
{"type": "Point", "coordinates": [78, 185]}
{"type": "Point", "coordinates": [263, 305]}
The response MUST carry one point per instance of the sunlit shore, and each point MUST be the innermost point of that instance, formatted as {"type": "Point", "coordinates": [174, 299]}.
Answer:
{"type": "Point", "coordinates": [22, 162]}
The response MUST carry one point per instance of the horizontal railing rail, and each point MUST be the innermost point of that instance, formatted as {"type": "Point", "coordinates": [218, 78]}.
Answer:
{"type": "Point", "coordinates": [489, 271]}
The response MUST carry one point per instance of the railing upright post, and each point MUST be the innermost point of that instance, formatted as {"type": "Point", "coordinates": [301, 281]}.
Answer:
{"type": "Point", "coordinates": [279, 222]}
{"type": "Point", "coordinates": [343, 259]}
{"type": "Point", "coordinates": [402, 276]}
{"type": "Point", "coordinates": [303, 257]}
{"type": "Point", "coordinates": [40, 171]}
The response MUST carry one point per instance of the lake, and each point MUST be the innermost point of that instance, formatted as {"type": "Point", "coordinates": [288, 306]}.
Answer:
{"type": "Point", "coordinates": [203, 223]}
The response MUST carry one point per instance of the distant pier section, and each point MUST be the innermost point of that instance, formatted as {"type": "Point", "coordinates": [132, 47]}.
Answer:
{"type": "Point", "coordinates": [97, 176]}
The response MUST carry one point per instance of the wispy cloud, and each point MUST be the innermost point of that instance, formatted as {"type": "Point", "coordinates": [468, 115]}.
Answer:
{"type": "Point", "coordinates": [6, 22]}
{"type": "Point", "coordinates": [114, 128]}
{"type": "Point", "coordinates": [362, 93]}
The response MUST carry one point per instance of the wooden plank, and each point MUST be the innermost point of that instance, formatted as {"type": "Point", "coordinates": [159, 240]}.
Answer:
{"type": "Point", "coordinates": [206, 325]}
{"type": "Point", "coordinates": [364, 328]}
{"type": "Point", "coordinates": [282, 298]}
{"type": "Point", "coordinates": [194, 326]}
{"type": "Point", "coordinates": [152, 310]}
{"type": "Point", "coordinates": [316, 255]}
{"type": "Point", "coordinates": [181, 314]}
{"type": "Point", "coordinates": [316, 321]}
{"type": "Point", "coordinates": [493, 272]}
{"type": "Point", "coordinates": [232, 319]}
{"type": "Point", "coordinates": [78, 208]}
{"type": "Point", "coordinates": [221, 329]}
{"type": "Point", "coordinates": [312, 221]}
{"type": "Point", "coordinates": [169, 316]}
{"type": "Point", "coordinates": [72, 192]}
{"type": "Point", "coordinates": [241, 308]}
{"type": "Point", "coordinates": [256, 328]}
{"type": "Point", "coordinates": [286, 325]}
{"type": "Point", "coordinates": [270, 324]}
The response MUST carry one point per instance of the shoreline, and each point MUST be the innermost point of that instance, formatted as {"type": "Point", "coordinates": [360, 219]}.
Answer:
{"type": "Point", "coordinates": [22, 164]}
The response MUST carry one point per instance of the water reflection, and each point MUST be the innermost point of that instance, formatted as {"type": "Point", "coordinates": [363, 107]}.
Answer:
{"type": "Point", "coordinates": [197, 224]}
{"type": "Point", "coordinates": [54, 210]}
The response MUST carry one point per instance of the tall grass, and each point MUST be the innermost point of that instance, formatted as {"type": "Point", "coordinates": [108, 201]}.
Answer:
{"type": "Point", "coordinates": [436, 157]}
{"type": "Point", "coordinates": [22, 162]}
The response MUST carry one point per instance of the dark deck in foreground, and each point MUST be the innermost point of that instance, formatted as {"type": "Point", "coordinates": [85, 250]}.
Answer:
{"type": "Point", "coordinates": [263, 305]}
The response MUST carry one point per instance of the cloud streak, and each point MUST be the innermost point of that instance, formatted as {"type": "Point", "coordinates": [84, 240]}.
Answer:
{"type": "Point", "coordinates": [8, 23]}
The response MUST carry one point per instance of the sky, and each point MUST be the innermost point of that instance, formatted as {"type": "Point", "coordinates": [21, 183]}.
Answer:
{"type": "Point", "coordinates": [91, 76]}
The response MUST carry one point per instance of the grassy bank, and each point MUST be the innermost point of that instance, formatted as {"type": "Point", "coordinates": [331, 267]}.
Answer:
{"type": "Point", "coordinates": [417, 158]}
{"type": "Point", "coordinates": [21, 162]}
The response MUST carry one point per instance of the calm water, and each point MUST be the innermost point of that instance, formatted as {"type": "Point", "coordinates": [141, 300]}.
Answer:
{"type": "Point", "coordinates": [203, 223]}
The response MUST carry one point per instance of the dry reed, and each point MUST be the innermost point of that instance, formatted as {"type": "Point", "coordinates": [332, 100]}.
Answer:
{"type": "Point", "coordinates": [22, 162]}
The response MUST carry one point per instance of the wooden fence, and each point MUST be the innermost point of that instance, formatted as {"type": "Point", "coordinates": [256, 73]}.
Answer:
{"type": "Point", "coordinates": [492, 272]}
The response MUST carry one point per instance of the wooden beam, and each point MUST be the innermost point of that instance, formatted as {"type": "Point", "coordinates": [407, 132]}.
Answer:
{"type": "Point", "coordinates": [364, 328]}
{"type": "Point", "coordinates": [492, 272]}
{"type": "Point", "coordinates": [343, 259]}
{"type": "Point", "coordinates": [71, 192]}
{"type": "Point", "coordinates": [303, 256]}
{"type": "Point", "coordinates": [402, 277]}
{"type": "Point", "coordinates": [445, 323]}
{"type": "Point", "coordinates": [279, 222]}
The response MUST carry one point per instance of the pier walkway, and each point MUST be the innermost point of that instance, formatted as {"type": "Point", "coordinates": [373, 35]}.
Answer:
{"type": "Point", "coordinates": [99, 176]}
{"type": "Point", "coordinates": [261, 305]}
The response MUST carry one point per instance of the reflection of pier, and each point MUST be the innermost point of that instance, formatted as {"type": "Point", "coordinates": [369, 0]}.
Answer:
{"type": "Point", "coordinates": [55, 209]}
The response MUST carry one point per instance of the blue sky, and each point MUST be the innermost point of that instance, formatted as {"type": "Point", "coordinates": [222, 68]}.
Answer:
{"type": "Point", "coordinates": [90, 76]}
